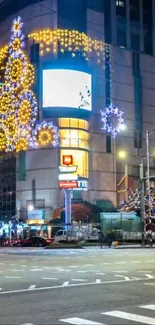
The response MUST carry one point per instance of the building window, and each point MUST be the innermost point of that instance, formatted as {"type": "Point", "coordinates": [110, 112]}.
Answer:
{"type": "Point", "coordinates": [80, 159]}
{"type": "Point", "coordinates": [73, 123]}
{"type": "Point", "coordinates": [134, 10]}
{"type": "Point", "coordinates": [74, 138]}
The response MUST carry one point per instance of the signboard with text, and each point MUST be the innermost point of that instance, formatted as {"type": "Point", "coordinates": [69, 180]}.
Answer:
{"type": "Point", "coordinates": [65, 184]}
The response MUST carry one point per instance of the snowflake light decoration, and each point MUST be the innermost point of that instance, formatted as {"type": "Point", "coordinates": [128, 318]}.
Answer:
{"type": "Point", "coordinates": [106, 118]}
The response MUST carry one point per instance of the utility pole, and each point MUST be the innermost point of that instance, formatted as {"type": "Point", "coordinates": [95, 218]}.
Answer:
{"type": "Point", "coordinates": [148, 171]}
{"type": "Point", "coordinates": [142, 202]}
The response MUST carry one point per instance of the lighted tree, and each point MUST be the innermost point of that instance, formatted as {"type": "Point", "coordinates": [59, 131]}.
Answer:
{"type": "Point", "coordinates": [134, 202]}
{"type": "Point", "coordinates": [18, 105]}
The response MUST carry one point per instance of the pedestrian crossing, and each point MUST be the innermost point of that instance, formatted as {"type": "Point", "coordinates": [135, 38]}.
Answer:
{"type": "Point", "coordinates": [144, 314]}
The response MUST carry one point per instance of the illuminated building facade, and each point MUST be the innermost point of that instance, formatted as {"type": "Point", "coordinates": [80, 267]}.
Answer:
{"type": "Point", "coordinates": [69, 44]}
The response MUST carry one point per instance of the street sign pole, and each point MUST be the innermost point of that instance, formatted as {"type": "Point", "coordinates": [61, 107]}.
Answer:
{"type": "Point", "coordinates": [68, 205]}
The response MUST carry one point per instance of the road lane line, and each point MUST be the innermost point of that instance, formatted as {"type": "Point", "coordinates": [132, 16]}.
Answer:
{"type": "Point", "coordinates": [144, 271]}
{"type": "Point", "coordinates": [74, 266]}
{"type": "Point", "coordinates": [136, 262]}
{"type": "Point", "coordinates": [98, 280]}
{"type": "Point", "coordinates": [73, 285]}
{"type": "Point", "coordinates": [120, 262]}
{"type": "Point", "coordinates": [120, 271]}
{"type": "Point", "coordinates": [126, 278]}
{"type": "Point", "coordinates": [33, 286]}
{"type": "Point", "coordinates": [36, 270]}
{"type": "Point", "coordinates": [65, 284]}
{"type": "Point", "coordinates": [82, 271]}
{"type": "Point", "coordinates": [105, 263]}
{"type": "Point", "coordinates": [149, 276]}
{"type": "Point", "coordinates": [49, 278]}
{"type": "Point", "coordinates": [150, 307]}
{"type": "Point", "coordinates": [88, 265]}
{"type": "Point", "coordinates": [13, 277]}
{"type": "Point", "coordinates": [150, 261]}
{"type": "Point", "coordinates": [80, 280]}
{"type": "Point", "coordinates": [131, 317]}
{"type": "Point", "coordinates": [79, 321]}
{"type": "Point", "coordinates": [100, 273]}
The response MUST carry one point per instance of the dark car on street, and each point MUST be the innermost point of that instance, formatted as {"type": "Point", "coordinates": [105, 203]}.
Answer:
{"type": "Point", "coordinates": [34, 241]}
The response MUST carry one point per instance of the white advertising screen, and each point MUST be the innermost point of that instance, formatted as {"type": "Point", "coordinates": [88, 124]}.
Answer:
{"type": "Point", "coordinates": [67, 88]}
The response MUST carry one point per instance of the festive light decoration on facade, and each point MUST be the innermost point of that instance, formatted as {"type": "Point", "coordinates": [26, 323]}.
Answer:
{"type": "Point", "coordinates": [109, 117]}
{"type": "Point", "coordinates": [71, 41]}
{"type": "Point", "coordinates": [18, 104]}
{"type": "Point", "coordinates": [44, 134]}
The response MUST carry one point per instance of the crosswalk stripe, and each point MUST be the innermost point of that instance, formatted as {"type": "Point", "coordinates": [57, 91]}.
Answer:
{"type": "Point", "coordinates": [131, 317]}
{"type": "Point", "coordinates": [79, 321]}
{"type": "Point", "coordinates": [150, 307]}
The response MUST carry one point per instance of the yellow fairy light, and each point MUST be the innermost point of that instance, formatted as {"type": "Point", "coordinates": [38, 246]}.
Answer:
{"type": "Point", "coordinates": [11, 126]}
{"type": "Point", "coordinates": [5, 102]}
{"type": "Point", "coordinates": [29, 76]}
{"type": "Point", "coordinates": [24, 113]}
{"type": "Point", "coordinates": [3, 140]}
{"type": "Point", "coordinates": [22, 144]}
{"type": "Point", "coordinates": [16, 70]}
{"type": "Point", "coordinates": [16, 44]}
{"type": "Point", "coordinates": [45, 137]}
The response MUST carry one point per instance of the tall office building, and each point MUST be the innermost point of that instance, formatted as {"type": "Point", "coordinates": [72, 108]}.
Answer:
{"type": "Point", "coordinates": [106, 50]}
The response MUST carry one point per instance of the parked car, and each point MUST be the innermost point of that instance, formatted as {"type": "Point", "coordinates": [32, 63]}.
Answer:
{"type": "Point", "coordinates": [34, 241]}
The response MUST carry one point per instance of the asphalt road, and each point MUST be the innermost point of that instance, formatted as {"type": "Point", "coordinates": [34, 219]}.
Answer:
{"type": "Point", "coordinates": [89, 286]}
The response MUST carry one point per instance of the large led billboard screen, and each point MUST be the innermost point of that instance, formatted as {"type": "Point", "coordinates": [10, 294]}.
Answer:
{"type": "Point", "coordinates": [66, 88]}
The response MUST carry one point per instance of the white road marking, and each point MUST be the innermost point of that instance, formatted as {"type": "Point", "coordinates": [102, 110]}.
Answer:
{"type": "Point", "coordinates": [1, 263]}
{"type": "Point", "coordinates": [144, 271]}
{"type": "Point", "coordinates": [49, 278]}
{"type": "Point", "coordinates": [100, 273]}
{"type": "Point", "coordinates": [32, 287]}
{"type": "Point", "coordinates": [150, 261]}
{"type": "Point", "coordinates": [27, 324]}
{"type": "Point", "coordinates": [36, 270]}
{"type": "Point", "coordinates": [23, 265]}
{"type": "Point", "coordinates": [149, 284]}
{"type": "Point", "coordinates": [120, 262]}
{"type": "Point", "coordinates": [73, 285]}
{"type": "Point", "coordinates": [131, 317]}
{"type": "Point", "coordinates": [80, 280]}
{"type": "Point", "coordinates": [82, 271]}
{"type": "Point", "coordinates": [120, 271]}
{"type": "Point", "coordinates": [136, 262]}
{"type": "Point", "coordinates": [14, 270]}
{"type": "Point", "coordinates": [150, 307]}
{"type": "Point", "coordinates": [12, 264]}
{"type": "Point", "coordinates": [126, 278]}
{"type": "Point", "coordinates": [73, 266]}
{"type": "Point", "coordinates": [149, 276]}
{"type": "Point", "coordinates": [63, 270]}
{"type": "Point", "coordinates": [98, 280]}
{"type": "Point", "coordinates": [65, 284]}
{"type": "Point", "coordinates": [79, 321]}
{"type": "Point", "coordinates": [88, 265]}
{"type": "Point", "coordinates": [104, 263]}
{"type": "Point", "coordinates": [12, 277]}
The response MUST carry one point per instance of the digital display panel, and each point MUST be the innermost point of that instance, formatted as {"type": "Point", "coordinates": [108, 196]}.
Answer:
{"type": "Point", "coordinates": [67, 88]}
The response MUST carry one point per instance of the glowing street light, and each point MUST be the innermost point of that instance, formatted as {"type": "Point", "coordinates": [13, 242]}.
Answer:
{"type": "Point", "coordinates": [122, 154]}
{"type": "Point", "coordinates": [30, 208]}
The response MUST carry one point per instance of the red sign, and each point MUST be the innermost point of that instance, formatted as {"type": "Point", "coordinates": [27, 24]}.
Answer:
{"type": "Point", "coordinates": [65, 184]}
{"type": "Point", "coordinates": [67, 160]}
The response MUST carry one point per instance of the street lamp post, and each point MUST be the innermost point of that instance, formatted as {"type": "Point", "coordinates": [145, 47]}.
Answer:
{"type": "Point", "coordinates": [148, 169]}
{"type": "Point", "coordinates": [142, 202]}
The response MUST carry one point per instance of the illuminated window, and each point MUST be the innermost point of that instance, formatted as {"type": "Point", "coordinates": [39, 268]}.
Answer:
{"type": "Point", "coordinates": [74, 138]}
{"type": "Point", "coordinates": [80, 159]}
{"type": "Point", "coordinates": [73, 123]}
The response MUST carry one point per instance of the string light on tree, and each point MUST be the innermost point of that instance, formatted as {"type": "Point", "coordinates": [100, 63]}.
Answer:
{"type": "Point", "coordinates": [107, 116]}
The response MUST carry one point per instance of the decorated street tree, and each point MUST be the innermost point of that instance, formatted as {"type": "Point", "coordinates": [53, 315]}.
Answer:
{"type": "Point", "coordinates": [134, 202]}
{"type": "Point", "coordinates": [19, 130]}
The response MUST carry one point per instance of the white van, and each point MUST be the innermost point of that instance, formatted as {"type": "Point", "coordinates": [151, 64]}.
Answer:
{"type": "Point", "coordinates": [66, 235]}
